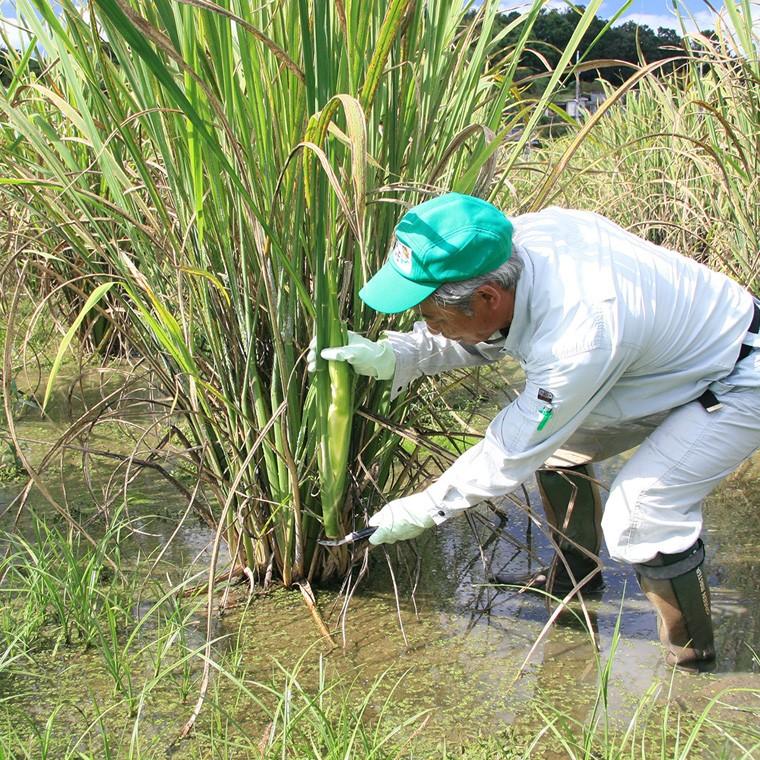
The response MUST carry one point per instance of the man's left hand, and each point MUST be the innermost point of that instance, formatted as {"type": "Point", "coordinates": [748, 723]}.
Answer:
{"type": "Point", "coordinates": [402, 519]}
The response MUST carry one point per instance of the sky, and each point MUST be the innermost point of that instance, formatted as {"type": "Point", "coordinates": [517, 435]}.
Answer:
{"type": "Point", "coordinates": [696, 14]}
{"type": "Point", "coordinates": [653, 13]}
{"type": "Point", "coordinates": [657, 13]}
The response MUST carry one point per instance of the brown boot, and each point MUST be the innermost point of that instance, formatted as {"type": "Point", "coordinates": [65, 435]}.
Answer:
{"type": "Point", "coordinates": [676, 585]}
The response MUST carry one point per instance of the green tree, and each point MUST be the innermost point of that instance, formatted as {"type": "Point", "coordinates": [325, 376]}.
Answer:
{"type": "Point", "coordinates": [553, 29]}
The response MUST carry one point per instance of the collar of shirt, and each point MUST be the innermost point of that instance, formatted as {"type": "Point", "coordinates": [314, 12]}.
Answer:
{"type": "Point", "coordinates": [520, 315]}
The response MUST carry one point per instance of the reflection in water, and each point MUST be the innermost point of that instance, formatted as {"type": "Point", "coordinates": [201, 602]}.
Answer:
{"type": "Point", "coordinates": [568, 666]}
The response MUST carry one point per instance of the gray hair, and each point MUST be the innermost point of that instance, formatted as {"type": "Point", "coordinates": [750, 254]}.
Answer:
{"type": "Point", "coordinates": [458, 295]}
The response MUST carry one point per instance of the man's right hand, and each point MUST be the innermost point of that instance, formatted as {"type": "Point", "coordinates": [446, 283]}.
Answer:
{"type": "Point", "coordinates": [366, 357]}
{"type": "Point", "coordinates": [402, 519]}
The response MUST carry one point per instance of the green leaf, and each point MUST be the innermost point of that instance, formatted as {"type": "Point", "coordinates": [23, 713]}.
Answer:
{"type": "Point", "coordinates": [92, 301]}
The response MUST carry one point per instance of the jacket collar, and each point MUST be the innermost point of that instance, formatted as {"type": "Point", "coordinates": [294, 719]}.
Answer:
{"type": "Point", "coordinates": [521, 315]}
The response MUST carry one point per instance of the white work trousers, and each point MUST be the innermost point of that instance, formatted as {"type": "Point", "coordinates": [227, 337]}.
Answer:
{"type": "Point", "coordinates": [655, 502]}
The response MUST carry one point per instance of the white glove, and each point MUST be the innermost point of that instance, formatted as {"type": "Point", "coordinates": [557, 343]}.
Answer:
{"type": "Point", "coordinates": [366, 357]}
{"type": "Point", "coordinates": [402, 519]}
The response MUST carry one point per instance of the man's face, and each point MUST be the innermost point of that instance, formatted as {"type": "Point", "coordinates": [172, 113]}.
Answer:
{"type": "Point", "coordinates": [491, 311]}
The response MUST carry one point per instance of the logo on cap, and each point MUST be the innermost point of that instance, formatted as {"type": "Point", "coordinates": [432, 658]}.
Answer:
{"type": "Point", "coordinates": [402, 257]}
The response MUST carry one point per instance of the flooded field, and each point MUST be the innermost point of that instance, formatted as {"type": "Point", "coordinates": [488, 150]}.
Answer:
{"type": "Point", "coordinates": [433, 641]}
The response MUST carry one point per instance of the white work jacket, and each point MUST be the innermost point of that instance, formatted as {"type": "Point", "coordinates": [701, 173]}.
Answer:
{"type": "Point", "coordinates": [607, 328]}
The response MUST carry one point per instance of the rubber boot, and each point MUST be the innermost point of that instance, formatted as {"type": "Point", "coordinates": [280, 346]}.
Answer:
{"type": "Point", "coordinates": [573, 508]}
{"type": "Point", "coordinates": [676, 586]}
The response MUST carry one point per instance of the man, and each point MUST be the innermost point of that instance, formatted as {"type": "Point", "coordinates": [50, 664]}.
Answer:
{"type": "Point", "coordinates": [623, 343]}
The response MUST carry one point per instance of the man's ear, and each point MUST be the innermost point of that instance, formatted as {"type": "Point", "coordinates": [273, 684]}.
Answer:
{"type": "Point", "coordinates": [489, 295]}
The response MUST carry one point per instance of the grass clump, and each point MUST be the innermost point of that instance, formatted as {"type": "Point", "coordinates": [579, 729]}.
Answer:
{"type": "Point", "coordinates": [53, 585]}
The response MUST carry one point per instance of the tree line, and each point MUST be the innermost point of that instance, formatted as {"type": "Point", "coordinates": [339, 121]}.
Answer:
{"type": "Point", "coordinates": [630, 42]}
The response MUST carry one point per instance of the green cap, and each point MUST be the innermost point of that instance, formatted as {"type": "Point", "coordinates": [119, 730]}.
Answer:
{"type": "Point", "coordinates": [447, 239]}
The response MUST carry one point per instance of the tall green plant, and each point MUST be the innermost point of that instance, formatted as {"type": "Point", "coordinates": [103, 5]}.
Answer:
{"type": "Point", "coordinates": [236, 170]}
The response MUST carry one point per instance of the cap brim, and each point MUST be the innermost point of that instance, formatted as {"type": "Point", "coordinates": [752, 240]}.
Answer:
{"type": "Point", "coordinates": [388, 292]}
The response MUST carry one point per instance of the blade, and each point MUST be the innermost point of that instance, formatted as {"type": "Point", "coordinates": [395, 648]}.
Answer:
{"type": "Point", "coordinates": [351, 538]}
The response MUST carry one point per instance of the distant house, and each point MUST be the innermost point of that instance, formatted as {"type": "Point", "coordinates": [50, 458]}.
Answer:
{"type": "Point", "coordinates": [587, 103]}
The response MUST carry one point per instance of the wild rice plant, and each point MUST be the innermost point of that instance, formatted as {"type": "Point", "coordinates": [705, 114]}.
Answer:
{"type": "Point", "coordinates": [116, 658]}
{"type": "Point", "coordinates": [13, 648]}
{"type": "Point", "coordinates": [332, 719]}
{"type": "Point", "coordinates": [678, 159]}
{"type": "Point", "coordinates": [655, 730]}
{"type": "Point", "coordinates": [169, 647]}
{"type": "Point", "coordinates": [11, 741]}
{"type": "Point", "coordinates": [141, 654]}
{"type": "Point", "coordinates": [38, 743]}
{"type": "Point", "coordinates": [24, 739]}
{"type": "Point", "coordinates": [172, 620]}
{"type": "Point", "coordinates": [331, 725]}
{"type": "Point", "coordinates": [658, 724]}
{"type": "Point", "coordinates": [20, 619]}
{"type": "Point", "coordinates": [216, 180]}
{"type": "Point", "coordinates": [49, 579]}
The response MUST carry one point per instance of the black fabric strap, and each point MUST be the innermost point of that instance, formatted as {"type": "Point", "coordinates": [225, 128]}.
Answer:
{"type": "Point", "coordinates": [670, 566]}
{"type": "Point", "coordinates": [708, 399]}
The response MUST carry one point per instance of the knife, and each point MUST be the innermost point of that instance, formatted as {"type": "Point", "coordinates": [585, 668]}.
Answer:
{"type": "Point", "coordinates": [351, 538]}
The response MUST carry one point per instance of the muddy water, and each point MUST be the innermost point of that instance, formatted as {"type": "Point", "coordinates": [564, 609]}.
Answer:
{"type": "Point", "coordinates": [455, 645]}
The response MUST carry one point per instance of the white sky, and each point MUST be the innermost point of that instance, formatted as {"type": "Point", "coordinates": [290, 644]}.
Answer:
{"type": "Point", "coordinates": [653, 13]}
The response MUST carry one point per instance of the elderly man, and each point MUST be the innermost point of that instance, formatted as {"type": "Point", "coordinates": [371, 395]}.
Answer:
{"type": "Point", "coordinates": [623, 343]}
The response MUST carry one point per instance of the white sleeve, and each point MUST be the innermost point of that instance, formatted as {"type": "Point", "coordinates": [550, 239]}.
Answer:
{"type": "Point", "coordinates": [528, 431]}
{"type": "Point", "coordinates": [419, 352]}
